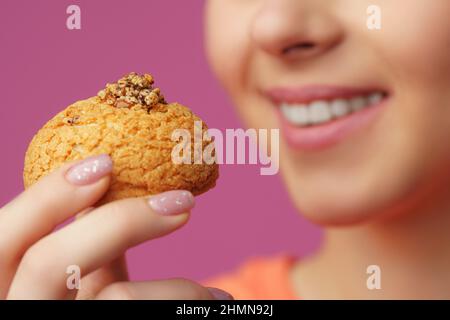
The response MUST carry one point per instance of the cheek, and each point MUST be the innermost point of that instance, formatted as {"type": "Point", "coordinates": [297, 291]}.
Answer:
{"type": "Point", "coordinates": [415, 41]}
{"type": "Point", "coordinates": [230, 58]}
{"type": "Point", "coordinates": [416, 48]}
{"type": "Point", "coordinates": [414, 45]}
{"type": "Point", "coordinates": [226, 43]}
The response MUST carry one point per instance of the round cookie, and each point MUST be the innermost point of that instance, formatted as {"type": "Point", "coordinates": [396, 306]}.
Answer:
{"type": "Point", "coordinates": [131, 122]}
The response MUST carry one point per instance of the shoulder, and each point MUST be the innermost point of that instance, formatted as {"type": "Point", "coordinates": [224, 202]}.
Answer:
{"type": "Point", "coordinates": [261, 277]}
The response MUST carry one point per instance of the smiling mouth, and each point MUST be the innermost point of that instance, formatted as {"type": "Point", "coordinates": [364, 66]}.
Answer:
{"type": "Point", "coordinates": [324, 111]}
{"type": "Point", "coordinates": [319, 116]}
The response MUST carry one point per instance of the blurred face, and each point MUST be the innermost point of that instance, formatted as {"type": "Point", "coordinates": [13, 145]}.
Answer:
{"type": "Point", "coordinates": [364, 114]}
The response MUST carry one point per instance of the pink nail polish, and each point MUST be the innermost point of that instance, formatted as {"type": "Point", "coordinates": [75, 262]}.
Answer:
{"type": "Point", "coordinates": [220, 294]}
{"type": "Point", "coordinates": [172, 202]}
{"type": "Point", "coordinates": [90, 170]}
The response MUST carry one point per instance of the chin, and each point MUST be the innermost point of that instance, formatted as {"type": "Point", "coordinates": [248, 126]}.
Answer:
{"type": "Point", "coordinates": [350, 203]}
{"type": "Point", "coordinates": [335, 213]}
{"type": "Point", "coordinates": [336, 216]}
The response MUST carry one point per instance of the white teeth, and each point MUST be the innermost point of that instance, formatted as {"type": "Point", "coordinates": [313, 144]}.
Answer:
{"type": "Point", "coordinates": [299, 114]}
{"type": "Point", "coordinates": [358, 103]}
{"type": "Point", "coordinates": [320, 111]}
{"type": "Point", "coordinates": [375, 98]}
{"type": "Point", "coordinates": [340, 108]}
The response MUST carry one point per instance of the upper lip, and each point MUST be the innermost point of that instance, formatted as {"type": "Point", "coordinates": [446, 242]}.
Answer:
{"type": "Point", "coordinates": [306, 94]}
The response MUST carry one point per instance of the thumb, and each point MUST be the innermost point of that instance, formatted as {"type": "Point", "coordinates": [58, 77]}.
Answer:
{"type": "Point", "coordinates": [94, 282]}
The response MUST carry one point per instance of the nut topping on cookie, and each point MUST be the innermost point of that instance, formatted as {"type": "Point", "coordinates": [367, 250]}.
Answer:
{"type": "Point", "coordinates": [132, 90]}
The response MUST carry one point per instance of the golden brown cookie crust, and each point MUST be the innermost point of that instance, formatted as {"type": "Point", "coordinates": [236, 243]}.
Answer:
{"type": "Point", "coordinates": [138, 141]}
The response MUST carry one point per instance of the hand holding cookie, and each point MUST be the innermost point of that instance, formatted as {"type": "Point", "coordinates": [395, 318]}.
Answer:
{"type": "Point", "coordinates": [34, 260]}
{"type": "Point", "coordinates": [105, 160]}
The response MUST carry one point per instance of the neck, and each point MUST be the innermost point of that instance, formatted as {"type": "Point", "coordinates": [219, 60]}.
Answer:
{"type": "Point", "coordinates": [412, 252]}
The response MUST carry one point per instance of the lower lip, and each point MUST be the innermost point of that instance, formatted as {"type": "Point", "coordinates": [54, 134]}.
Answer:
{"type": "Point", "coordinates": [325, 135]}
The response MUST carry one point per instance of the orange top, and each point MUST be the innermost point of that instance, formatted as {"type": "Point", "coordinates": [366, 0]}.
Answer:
{"type": "Point", "coordinates": [258, 278]}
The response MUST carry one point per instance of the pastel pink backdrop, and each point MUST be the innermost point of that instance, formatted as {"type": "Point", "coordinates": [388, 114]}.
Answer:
{"type": "Point", "coordinates": [44, 67]}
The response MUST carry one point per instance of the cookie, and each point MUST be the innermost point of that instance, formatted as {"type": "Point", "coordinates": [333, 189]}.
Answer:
{"type": "Point", "coordinates": [130, 121]}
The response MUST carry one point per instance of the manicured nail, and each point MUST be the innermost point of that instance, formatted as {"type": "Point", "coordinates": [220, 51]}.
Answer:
{"type": "Point", "coordinates": [219, 294]}
{"type": "Point", "coordinates": [172, 202]}
{"type": "Point", "coordinates": [90, 170]}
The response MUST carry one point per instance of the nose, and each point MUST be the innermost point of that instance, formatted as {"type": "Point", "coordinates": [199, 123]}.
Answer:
{"type": "Point", "coordinates": [293, 29]}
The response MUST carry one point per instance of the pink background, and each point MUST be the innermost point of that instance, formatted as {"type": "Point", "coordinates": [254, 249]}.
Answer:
{"type": "Point", "coordinates": [44, 67]}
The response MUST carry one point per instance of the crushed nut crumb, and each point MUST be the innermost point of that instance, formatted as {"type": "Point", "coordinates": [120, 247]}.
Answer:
{"type": "Point", "coordinates": [132, 90]}
{"type": "Point", "coordinates": [71, 120]}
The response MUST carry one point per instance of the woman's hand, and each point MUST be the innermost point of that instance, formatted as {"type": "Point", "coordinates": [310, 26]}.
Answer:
{"type": "Point", "coordinates": [34, 261]}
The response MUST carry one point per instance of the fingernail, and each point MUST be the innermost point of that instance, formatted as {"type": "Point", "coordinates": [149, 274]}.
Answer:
{"type": "Point", "coordinates": [90, 170]}
{"type": "Point", "coordinates": [172, 202]}
{"type": "Point", "coordinates": [220, 294]}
